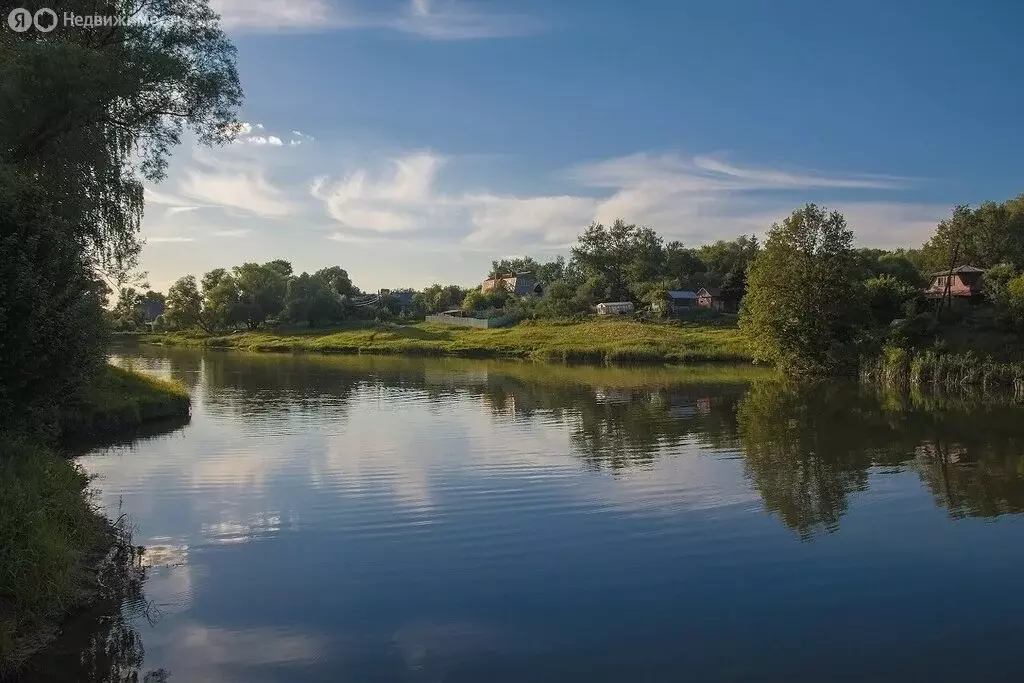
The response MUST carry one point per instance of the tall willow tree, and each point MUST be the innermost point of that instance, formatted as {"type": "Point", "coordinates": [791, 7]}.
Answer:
{"type": "Point", "coordinates": [87, 115]}
{"type": "Point", "coordinates": [804, 303]}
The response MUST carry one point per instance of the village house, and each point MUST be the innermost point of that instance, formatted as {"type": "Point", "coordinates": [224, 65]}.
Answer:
{"type": "Point", "coordinates": [717, 300]}
{"type": "Point", "coordinates": [517, 284]}
{"type": "Point", "coordinates": [676, 301]}
{"type": "Point", "coordinates": [963, 283]}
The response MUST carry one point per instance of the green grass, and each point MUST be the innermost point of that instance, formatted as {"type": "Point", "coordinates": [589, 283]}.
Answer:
{"type": "Point", "coordinates": [915, 369]}
{"type": "Point", "coordinates": [49, 535]}
{"type": "Point", "coordinates": [592, 341]}
{"type": "Point", "coordinates": [120, 399]}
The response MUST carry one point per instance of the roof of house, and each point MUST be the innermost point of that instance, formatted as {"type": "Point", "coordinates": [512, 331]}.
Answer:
{"type": "Point", "coordinates": [519, 284]}
{"type": "Point", "coordinates": [716, 292]}
{"type": "Point", "coordinates": [616, 303]}
{"type": "Point", "coordinates": [682, 294]}
{"type": "Point", "coordinates": [958, 270]}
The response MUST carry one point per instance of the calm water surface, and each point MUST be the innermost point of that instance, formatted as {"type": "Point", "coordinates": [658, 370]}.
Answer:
{"type": "Point", "coordinates": [376, 519]}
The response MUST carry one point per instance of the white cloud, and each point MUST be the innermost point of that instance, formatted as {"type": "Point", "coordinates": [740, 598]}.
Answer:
{"type": "Point", "coordinates": [696, 199]}
{"type": "Point", "coordinates": [243, 130]}
{"type": "Point", "coordinates": [452, 20]}
{"type": "Point", "coordinates": [272, 140]}
{"type": "Point", "coordinates": [767, 179]}
{"type": "Point", "coordinates": [552, 220]}
{"type": "Point", "coordinates": [300, 138]}
{"type": "Point", "coordinates": [240, 232]}
{"type": "Point", "coordinates": [152, 196]}
{"type": "Point", "coordinates": [398, 202]}
{"type": "Point", "coordinates": [272, 14]}
{"type": "Point", "coordinates": [170, 239]}
{"type": "Point", "coordinates": [181, 209]}
{"type": "Point", "coordinates": [248, 191]}
{"type": "Point", "coordinates": [444, 20]}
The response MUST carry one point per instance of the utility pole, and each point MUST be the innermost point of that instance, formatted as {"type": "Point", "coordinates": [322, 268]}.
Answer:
{"type": "Point", "coordinates": [949, 274]}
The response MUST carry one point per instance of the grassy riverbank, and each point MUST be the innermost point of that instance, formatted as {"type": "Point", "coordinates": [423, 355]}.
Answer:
{"type": "Point", "coordinates": [121, 400]}
{"type": "Point", "coordinates": [52, 536]}
{"type": "Point", "coordinates": [612, 341]}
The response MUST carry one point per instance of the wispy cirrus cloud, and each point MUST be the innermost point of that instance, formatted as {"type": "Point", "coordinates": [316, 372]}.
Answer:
{"type": "Point", "coordinates": [248, 191]}
{"type": "Point", "coordinates": [430, 19]}
{"type": "Point", "coordinates": [696, 199]}
{"type": "Point", "coordinates": [238, 232]}
{"type": "Point", "coordinates": [170, 238]}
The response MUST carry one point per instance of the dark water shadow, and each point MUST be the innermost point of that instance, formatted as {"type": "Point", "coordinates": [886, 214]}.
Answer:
{"type": "Point", "coordinates": [152, 429]}
{"type": "Point", "coordinates": [102, 643]}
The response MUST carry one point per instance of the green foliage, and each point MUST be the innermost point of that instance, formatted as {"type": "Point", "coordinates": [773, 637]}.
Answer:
{"type": "Point", "coordinates": [53, 331]}
{"type": "Point", "coordinates": [312, 299]}
{"type": "Point", "coordinates": [221, 301]}
{"type": "Point", "coordinates": [617, 256]}
{"type": "Point", "coordinates": [184, 304]}
{"type": "Point", "coordinates": [991, 234]}
{"type": "Point", "coordinates": [903, 368]}
{"type": "Point", "coordinates": [88, 113]}
{"type": "Point", "coordinates": [686, 267]}
{"type": "Point", "coordinates": [437, 298]}
{"type": "Point", "coordinates": [896, 264]}
{"type": "Point", "coordinates": [727, 264]}
{"type": "Point", "coordinates": [544, 272]}
{"type": "Point", "coordinates": [995, 283]}
{"type": "Point", "coordinates": [1014, 299]}
{"type": "Point", "coordinates": [804, 305]}
{"type": "Point", "coordinates": [261, 291]}
{"type": "Point", "coordinates": [889, 298]}
{"type": "Point", "coordinates": [337, 280]}
{"type": "Point", "coordinates": [477, 301]}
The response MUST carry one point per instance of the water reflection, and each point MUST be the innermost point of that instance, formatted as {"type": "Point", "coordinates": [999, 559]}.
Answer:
{"type": "Point", "coordinates": [104, 644]}
{"type": "Point", "coordinates": [324, 518]}
{"type": "Point", "coordinates": [805, 449]}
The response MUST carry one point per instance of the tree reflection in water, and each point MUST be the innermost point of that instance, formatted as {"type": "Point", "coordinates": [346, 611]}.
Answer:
{"type": "Point", "coordinates": [805, 449]}
{"type": "Point", "coordinates": [103, 643]}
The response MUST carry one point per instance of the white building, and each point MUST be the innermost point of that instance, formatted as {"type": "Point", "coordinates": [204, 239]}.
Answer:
{"type": "Point", "coordinates": [615, 308]}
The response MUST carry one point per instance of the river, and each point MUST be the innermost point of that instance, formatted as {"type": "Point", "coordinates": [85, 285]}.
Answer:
{"type": "Point", "coordinates": [391, 519]}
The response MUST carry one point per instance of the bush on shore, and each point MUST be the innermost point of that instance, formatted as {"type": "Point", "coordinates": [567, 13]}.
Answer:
{"type": "Point", "coordinates": [902, 368]}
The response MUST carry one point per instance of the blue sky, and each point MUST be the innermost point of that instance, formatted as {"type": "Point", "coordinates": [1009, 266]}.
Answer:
{"type": "Point", "coordinates": [413, 141]}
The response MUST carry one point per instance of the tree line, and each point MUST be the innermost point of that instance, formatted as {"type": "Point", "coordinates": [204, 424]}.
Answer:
{"type": "Point", "coordinates": [620, 261]}
{"type": "Point", "coordinates": [811, 301]}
